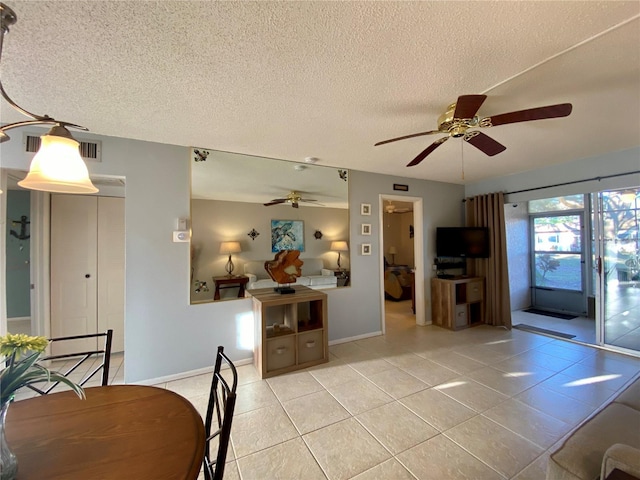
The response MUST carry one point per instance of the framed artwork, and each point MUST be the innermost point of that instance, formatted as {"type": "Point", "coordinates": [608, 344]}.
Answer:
{"type": "Point", "coordinates": [287, 235]}
{"type": "Point", "coordinates": [366, 229]}
{"type": "Point", "coordinates": [365, 249]}
{"type": "Point", "coordinates": [365, 209]}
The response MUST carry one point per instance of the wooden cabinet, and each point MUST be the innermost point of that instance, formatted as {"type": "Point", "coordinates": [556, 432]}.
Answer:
{"type": "Point", "coordinates": [458, 302]}
{"type": "Point", "coordinates": [290, 330]}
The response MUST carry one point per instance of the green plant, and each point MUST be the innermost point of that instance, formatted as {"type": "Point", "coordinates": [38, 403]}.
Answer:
{"type": "Point", "coordinates": [21, 353]}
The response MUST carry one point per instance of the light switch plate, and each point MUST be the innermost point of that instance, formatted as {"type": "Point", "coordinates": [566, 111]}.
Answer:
{"type": "Point", "coordinates": [180, 236]}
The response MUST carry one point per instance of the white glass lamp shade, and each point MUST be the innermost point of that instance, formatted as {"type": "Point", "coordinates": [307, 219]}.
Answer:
{"type": "Point", "coordinates": [58, 166]}
{"type": "Point", "coordinates": [340, 246]}
{"type": "Point", "coordinates": [228, 248]}
{"type": "Point", "coordinates": [393, 250]}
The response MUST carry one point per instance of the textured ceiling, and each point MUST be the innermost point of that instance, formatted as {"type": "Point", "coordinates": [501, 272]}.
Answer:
{"type": "Point", "coordinates": [329, 79]}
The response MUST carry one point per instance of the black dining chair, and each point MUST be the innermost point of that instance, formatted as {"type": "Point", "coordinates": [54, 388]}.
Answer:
{"type": "Point", "coordinates": [78, 358]}
{"type": "Point", "coordinates": [222, 402]}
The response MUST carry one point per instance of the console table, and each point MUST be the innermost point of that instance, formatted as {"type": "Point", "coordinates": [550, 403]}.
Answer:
{"type": "Point", "coordinates": [229, 282]}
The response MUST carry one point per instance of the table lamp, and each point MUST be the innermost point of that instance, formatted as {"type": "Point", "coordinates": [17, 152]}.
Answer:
{"type": "Point", "coordinates": [339, 246]}
{"type": "Point", "coordinates": [393, 251]}
{"type": "Point", "coordinates": [228, 248]}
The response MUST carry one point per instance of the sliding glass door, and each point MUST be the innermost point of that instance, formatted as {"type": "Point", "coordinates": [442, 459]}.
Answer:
{"type": "Point", "coordinates": [618, 215]}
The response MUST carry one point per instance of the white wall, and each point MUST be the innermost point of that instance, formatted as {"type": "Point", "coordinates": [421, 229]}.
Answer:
{"type": "Point", "coordinates": [164, 334]}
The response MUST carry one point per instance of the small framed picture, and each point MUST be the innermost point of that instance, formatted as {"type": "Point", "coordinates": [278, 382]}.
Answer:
{"type": "Point", "coordinates": [365, 209]}
{"type": "Point", "coordinates": [366, 229]}
{"type": "Point", "coordinates": [365, 249]}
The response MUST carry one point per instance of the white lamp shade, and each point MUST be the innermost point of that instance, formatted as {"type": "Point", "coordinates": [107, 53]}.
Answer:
{"type": "Point", "coordinates": [339, 246]}
{"type": "Point", "coordinates": [393, 250]}
{"type": "Point", "coordinates": [58, 167]}
{"type": "Point", "coordinates": [228, 248]}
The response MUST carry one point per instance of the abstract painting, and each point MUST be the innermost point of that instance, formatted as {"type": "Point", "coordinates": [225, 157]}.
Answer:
{"type": "Point", "coordinates": [287, 235]}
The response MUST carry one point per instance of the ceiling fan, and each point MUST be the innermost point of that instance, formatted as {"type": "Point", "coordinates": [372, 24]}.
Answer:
{"type": "Point", "coordinates": [294, 198]}
{"type": "Point", "coordinates": [391, 208]}
{"type": "Point", "coordinates": [461, 116]}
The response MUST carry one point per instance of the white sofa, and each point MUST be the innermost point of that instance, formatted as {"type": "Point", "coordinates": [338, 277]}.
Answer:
{"type": "Point", "coordinates": [314, 275]}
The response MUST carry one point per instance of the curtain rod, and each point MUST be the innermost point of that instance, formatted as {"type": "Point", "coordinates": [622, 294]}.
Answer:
{"type": "Point", "coordinates": [568, 183]}
{"type": "Point", "coordinates": [574, 182]}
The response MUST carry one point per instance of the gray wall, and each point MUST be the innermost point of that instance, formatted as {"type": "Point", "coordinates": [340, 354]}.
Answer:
{"type": "Point", "coordinates": [164, 334]}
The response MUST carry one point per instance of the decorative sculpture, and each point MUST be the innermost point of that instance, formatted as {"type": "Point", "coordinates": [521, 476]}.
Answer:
{"type": "Point", "coordinates": [285, 268]}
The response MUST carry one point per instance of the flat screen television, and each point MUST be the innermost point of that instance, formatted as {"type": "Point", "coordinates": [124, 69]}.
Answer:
{"type": "Point", "coordinates": [466, 242]}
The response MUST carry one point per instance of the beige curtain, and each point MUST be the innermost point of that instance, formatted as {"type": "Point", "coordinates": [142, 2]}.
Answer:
{"type": "Point", "coordinates": [488, 211]}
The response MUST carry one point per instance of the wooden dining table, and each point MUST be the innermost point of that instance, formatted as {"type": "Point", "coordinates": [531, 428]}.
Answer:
{"type": "Point", "coordinates": [118, 431]}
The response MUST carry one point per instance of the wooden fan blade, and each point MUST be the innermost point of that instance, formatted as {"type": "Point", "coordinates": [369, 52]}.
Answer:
{"type": "Point", "coordinates": [484, 142]}
{"type": "Point", "coordinates": [427, 151]}
{"type": "Point", "coordinates": [468, 105]}
{"type": "Point", "coordinates": [308, 200]}
{"type": "Point", "coordinates": [539, 113]}
{"type": "Point", "coordinates": [430, 132]}
{"type": "Point", "coordinates": [275, 202]}
{"type": "Point", "coordinates": [295, 205]}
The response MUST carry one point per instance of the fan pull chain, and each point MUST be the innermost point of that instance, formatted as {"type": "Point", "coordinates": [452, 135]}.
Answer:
{"type": "Point", "coordinates": [462, 157]}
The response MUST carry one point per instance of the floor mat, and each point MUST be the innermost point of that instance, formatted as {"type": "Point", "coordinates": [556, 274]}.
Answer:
{"type": "Point", "coordinates": [531, 328]}
{"type": "Point", "coordinates": [564, 316]}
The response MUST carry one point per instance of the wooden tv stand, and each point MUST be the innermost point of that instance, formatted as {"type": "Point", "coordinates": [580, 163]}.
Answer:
{"type": "Point", "coordinates": [457, 302]}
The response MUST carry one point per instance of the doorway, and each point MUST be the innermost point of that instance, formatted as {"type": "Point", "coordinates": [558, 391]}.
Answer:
{"type": "Point", "coordinates": [584, 259]}
{"type": "Point", "coordinates": [401, 261]}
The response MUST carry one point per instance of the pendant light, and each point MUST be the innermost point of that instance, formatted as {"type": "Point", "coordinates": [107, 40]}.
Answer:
{"type": "Point", "coordinates": [57, 166]}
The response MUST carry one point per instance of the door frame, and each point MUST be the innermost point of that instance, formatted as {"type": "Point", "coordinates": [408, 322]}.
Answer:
{"type": "Point", "coordinates": [418, 254]}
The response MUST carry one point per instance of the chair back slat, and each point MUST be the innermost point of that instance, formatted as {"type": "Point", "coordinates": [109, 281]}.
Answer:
{"type": "Point", "coordinates": [222, 400]}
{"type": "Point", "coordinates": [84, 356]}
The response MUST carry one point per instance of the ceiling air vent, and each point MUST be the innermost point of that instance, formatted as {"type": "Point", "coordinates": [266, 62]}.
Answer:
{"type": "Point", "coordinates": [88, 150]}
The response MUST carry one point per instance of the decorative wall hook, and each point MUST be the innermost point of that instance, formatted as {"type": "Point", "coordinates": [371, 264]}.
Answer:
{"type": "Point", "coordinates": [253, 234]}
{"type": "Point", "coordinates": [342, 174]}
{"type": "Point", "coordinates": [318, 234]}
{"type": "Point", "coordinates": [200, 155]}
{"type": "Point", "coordinates": [23, 222]}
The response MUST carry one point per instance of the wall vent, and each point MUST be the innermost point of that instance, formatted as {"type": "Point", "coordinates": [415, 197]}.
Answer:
{"type": "Point", "coordinates": [88, 150]}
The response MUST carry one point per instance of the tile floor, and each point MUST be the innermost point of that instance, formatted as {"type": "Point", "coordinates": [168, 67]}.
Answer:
{"type": "Point", "coordinates": [418, 403]}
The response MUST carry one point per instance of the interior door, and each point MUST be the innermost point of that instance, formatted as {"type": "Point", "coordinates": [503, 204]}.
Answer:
{"type": "Point", "coordinates": [74, 231]}
{"type": "Point", "coordinates": [87, 268]}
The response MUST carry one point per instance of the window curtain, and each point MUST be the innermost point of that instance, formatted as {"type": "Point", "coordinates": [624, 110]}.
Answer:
{"type": "Point", "coordinates": [488, 211]}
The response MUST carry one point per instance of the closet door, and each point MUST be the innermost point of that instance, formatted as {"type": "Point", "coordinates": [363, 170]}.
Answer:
{"type": "Point", "coordinates": [111, 269]}
{"type": "Point", "coordinates": [74, 228]}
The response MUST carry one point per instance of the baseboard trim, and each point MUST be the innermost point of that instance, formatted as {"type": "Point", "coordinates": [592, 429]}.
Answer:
{"type": "Point", "coordinates": [190, 373]}
{"type": "Point", "coordinates": [357, 337]}
{"type": "Point", "coordinates": [18, 319]}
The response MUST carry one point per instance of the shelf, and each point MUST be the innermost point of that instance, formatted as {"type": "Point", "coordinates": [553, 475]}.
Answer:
{"type": "Point", "coordinates": [290, 330]}
{"type": "Point", "coordinates": [457, 302]}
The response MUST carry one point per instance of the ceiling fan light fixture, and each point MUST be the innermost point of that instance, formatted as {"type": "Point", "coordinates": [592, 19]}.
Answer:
{"type": "Point", "coordinates": [57, 166]}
